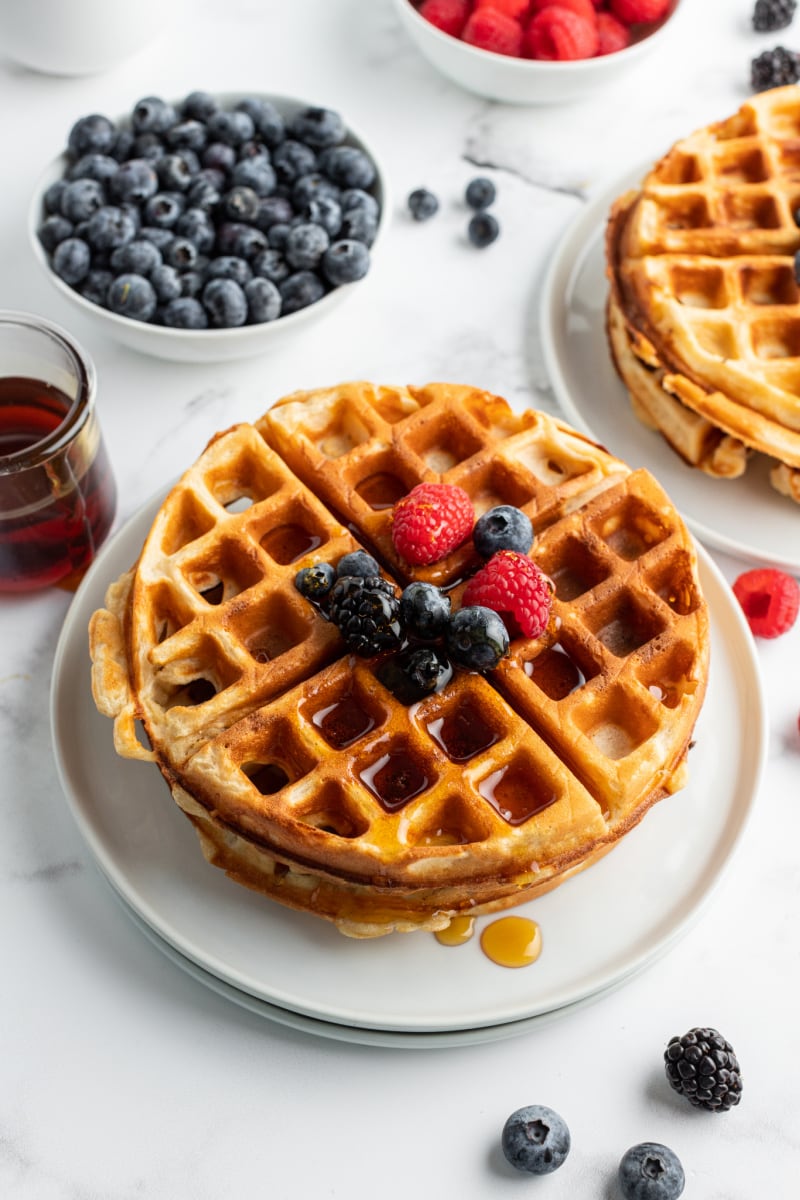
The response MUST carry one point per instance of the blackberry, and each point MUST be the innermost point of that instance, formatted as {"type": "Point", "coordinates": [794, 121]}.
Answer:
{"type": "Point", "coordinates": [535, 1139]}
{"type": "Point", "coordinates": [770, 15]}
{"type": "Point", "coordinates": [315, 582]}
{"type": "Point", "coordinates": [502, 528]}
{"type": "Point", "coordinates": [480, 193]}
{"type": "Point", "coordinates": [483, 229]}
{"type": "Point", "coordinates": [702, 1066]}
{"type": "Point", "coordinates": [367, 613]}
{"type": "Point", "coordinates": [424, 610]}
{"type": "Point", "coordinates": [774, 68]}
{"type": "Point", "coordinates": [650, 1171]}
{"type": "Point", "coordinates": [422, 204]}
{"type": "Point", "coordinates": [415, 674]}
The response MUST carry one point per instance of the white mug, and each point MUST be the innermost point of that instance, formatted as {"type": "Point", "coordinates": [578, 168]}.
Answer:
{"type": "Point", "coordinates": [79, 37]}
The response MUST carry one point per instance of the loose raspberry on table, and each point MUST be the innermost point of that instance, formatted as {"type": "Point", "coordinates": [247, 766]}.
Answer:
{"type": "Point", "coordinates": [770, 600]}
{"type": "Point", "coordinates": [431, 521]}
{"type": "Point", "coordinates": [581, 8]}
{"type": "Point", "coordinates": [448, 15]}
{"type": "Point", "coordinates": [516, 589]}
{"type": "Point", "coordinates": [612, 35]}
{"type": "Point", "coordinates": [635, 12]}
{"type": "Point", "coordinates": [490, 29]}
{"type": "Point", "coordinates": [560, 34]}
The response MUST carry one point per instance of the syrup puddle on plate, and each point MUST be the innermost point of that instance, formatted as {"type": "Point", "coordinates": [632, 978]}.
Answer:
{"type": "Point", "coordinates": [508, 941]}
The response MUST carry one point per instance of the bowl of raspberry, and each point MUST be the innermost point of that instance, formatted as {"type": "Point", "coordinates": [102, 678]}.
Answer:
{"type": "Point", "coordinates": [205, 229]}
{"type": "Point", "coordinates": [535, 51]}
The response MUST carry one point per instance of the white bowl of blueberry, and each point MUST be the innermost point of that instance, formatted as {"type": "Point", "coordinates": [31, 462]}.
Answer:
{"type": "Point", "coordinates": [201, 230]}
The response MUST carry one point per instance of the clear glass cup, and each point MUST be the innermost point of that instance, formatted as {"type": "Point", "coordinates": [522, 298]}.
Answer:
{"type": "Point", "coordinates": [57, 492]}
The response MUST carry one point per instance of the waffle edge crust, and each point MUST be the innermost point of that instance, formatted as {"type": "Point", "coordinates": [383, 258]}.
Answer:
{"type": "Point", "coordinates": [305, 778]}
{"type": "Point", "coordinates": [704, 305]}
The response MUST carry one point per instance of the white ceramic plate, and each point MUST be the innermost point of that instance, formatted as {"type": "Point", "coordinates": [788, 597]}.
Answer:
{"type": "Point", "coordinates": [745, 517]}
{"type": "Point", "coordinates": [597, 928]}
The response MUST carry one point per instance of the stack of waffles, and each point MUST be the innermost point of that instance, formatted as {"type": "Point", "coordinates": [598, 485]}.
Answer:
{"type": "Point", "coordinates": [703, 313]}
{"type": "Point", "coordinates": [305, 777]}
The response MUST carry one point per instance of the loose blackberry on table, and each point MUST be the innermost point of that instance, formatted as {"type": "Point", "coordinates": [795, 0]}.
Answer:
{"type": "Point", "coordinates": [771, 15]}
{"type": "Point", "coordinates": [774, 68]}
{"type": "Point", "coordinates": [701, 1065]}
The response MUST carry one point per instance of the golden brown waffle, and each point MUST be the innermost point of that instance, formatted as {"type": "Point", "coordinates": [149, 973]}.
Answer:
{"type": "Point", "coordinates": [306, 778]}
{"type": "Point", "coordinates": [701, 265]}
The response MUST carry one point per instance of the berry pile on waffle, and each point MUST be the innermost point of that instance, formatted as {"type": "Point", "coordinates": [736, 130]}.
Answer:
{"type": "Point", "coordinates": [704, 307]}
{"type": "Point", "coordinates": [316, 765]}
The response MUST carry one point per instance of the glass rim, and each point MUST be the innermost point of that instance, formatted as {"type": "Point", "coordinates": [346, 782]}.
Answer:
{"type": "Point", "coordinates": [80, 409]}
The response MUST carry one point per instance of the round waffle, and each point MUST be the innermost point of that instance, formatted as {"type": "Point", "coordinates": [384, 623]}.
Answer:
{"type": "Point", "coordinates": [701, 266]}
{"type": "Point", "coordinates": [306, 777]}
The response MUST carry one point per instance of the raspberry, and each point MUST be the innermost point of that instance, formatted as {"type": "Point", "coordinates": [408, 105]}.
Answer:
{"type": "Point", "coordinates": [512, 8]}
{"type": "Point", "coordinates": [514, 587]}
{"type": "Point", "coordinates": [581, 8]}
{"type": "Point", "coordinates": [635, 12]}
{"type": "Point", "coordinates": [558, 33]}
{"type": "Point", "coordinates": [491, 29]}
{"type": "Point", "coordinates": [770, 600]}
{"type": "Point", "coordinates": [448, 15]}
{"type": "Point", "coordinates": [432, 520]}
{"type": "Point", "coordinates": [611, 34]}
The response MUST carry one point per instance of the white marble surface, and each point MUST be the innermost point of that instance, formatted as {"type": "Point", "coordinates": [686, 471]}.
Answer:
{"type": "Point", "coordinates": [124, 1078]}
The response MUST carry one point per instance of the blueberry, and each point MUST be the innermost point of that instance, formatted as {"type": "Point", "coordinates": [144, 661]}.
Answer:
{"type": "Point", "coordinates": [300, 290]}
{"type": "Point", "coordinates": [291, 159]}
{"type": "Point", "coordinates": [233, 128]}
{"type": "Point", "coordinates": [535, 1139]}
{"type": "Point", "coordinates": [305, 246]}
{"type": "Point", "coordinates": [240, 204]}
{"type": "Point", "coordinates": [502, 528]}
{"type": "Point", "coordinates": [166, 283]}
{"type": "Point", "coordinates": [220, 156]}
{"type": "Point", "coordinates": [164, 209]}
{"type": "Point", "coordinates": [422, 204]}
{"type": "Point", "coordinates": [132, 296]}
{"type": "Point", "coordinates": [228, 266]}
{"type": "Point", "coordinates": [132, 211]}
{"type": "Point", "coordinates": [54, 229]}
{"type": "Point", "coordinates": [357, 562]}
{"type": "Point", "coordinates": [192, 283]}
{"type": "Point", "coordinates": [181, 253]}
{"type": "Point", "coordinates": [186, 313]}
{"type": "Point", "coordinates": [424, 610]}
{"type": "Point", "coordinates": [148, 146]}
{"type": "Point", "coordinates": [318, 127]}
{"type": "Point", "coordinates": [52, 196]}
{"type": "Point", "coordinates": [360, 225]}
{"type": "Point", "coordinates": [123, 145]}
{"type": "Point", "coordinates": [347, 166]}
{"type": "Point", "coordinates": [345, 262]}
{"type": "Point", "coordinates": [134, 180]}
{"type": "Point", "coordinates": [480, 193]}
{"type": "Point", "coordinates": [311, 186]}
{"type": "Point", "coordinates": [159, 237]}
{"type": "Point", "coordinates": [263, 300]}
{"type": "Point", "coordinates": [95, 286]}
{"type": "Point", "coordinates": [650, 1171]}
{"type": "Point", "coordinates": [482, 230]}
{"type": "Point", "coordinates": [81, 198]}
{"type": "Point", "coordinates": [278, 235]}
{"type": "Point", "coordinates": [323, 211]}
{"type": "Point", "coordinates": [205, 192]}
{"type": "Point", "coordinates": [71, 260]}
{"type": "Point", "coordinates": [248, 242]}
{"type": "Point", "coordinates": [110, 227]}
{"type": "Point", "coordinates": [357, 198]}
{"type": "Point", "coordinates": [270, 264]}
{"type": "Point", "coordinates": [256, 175]}
{"type": "Point", "coordinates": [187, 135]}
{"type": "Point", "coordinates": [138, 257]}
{"type": "Point", "coordinates": [199, 106]}
{"type": "Point", "coordinates": [315, 582]}
{"type": "Point", "coordinates": [152, 115]}
{"type": "Point", "coordinates": [94, 134]}
{"type": "Point", "coordinates": [94, 166]}
{"type": "Point", "coordinates": [477, 638]}
{"type": "Point", "coordinates": [175, 173]}
{"type": "Point", "coordinates": [273, 210]}
{"type": "Point", "coordinates": [225, 303]}
{"type": "Point", "coordinates": [196, 225]}
{"type": "Point", "coordinates": [270, 124]}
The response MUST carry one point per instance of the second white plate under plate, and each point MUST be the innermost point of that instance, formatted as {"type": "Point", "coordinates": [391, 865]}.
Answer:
{"type": "Point", "coordinates": [597, 928]}
{"type": "Point", "coordinates": [745, 517]}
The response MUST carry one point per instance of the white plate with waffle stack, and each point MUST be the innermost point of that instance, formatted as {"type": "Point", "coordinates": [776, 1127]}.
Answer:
{"type": "Point", "coordinates": [745, 517]}
{"type": "Point", "coordinates": [594, 936]}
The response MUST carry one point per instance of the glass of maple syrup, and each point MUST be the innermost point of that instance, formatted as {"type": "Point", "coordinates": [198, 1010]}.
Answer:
{"type": "Point", "coordinates": [57, 493]}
